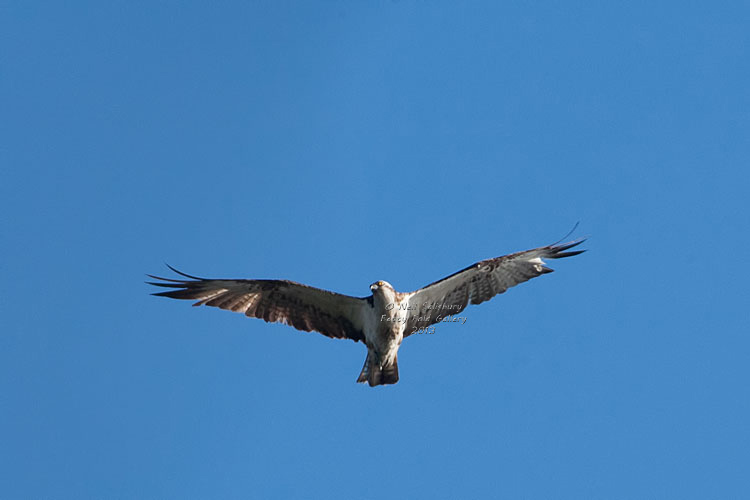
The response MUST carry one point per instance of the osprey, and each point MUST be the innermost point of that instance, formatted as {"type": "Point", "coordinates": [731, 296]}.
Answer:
{"type": "Point", "coordinates": [382, 320]}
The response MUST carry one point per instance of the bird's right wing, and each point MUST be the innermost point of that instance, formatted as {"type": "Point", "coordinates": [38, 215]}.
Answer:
{"type": "Point", "coordinates": [300, 306]}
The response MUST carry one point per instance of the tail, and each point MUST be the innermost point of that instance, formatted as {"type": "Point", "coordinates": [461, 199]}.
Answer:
{"type": "Point", "coordinates": [374, 375]}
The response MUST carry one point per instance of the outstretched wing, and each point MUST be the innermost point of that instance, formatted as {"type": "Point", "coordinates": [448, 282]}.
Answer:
{"type": "Point", "coordinates": [280, 301]}
{"type": "Point", "coordinates": [480, 282]}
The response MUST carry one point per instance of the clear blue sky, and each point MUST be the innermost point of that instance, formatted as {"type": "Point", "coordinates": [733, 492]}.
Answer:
{"type": "Point", "coordinates": [337, 143]}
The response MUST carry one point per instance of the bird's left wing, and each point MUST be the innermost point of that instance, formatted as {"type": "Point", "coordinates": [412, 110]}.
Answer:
{"type": "Point", "coordinates": [480, 282]}
{"type": "Point", "coordinates": [300, 306]}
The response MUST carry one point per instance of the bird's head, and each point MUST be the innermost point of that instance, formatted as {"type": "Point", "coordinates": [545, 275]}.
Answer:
{"type": "Point", "coordinates": [381, 287]}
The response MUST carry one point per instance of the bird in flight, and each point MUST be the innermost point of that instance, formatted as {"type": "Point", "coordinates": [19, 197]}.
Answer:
{"type": "Point", "coordinates": [382, 320]}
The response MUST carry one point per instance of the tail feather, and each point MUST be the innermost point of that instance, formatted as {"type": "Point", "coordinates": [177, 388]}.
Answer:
{"type": "Point", "coordinates": [390, 372]}
{"type": "Point", "coordinates": [365, 373]}
{"type": "Point", "coordinates": [374, 375]}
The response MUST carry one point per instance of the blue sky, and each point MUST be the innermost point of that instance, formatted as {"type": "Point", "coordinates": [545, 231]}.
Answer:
{"type": "Point", "coordinates": [337, 143]}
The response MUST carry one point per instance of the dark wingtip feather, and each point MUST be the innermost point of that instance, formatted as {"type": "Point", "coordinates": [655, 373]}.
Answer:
{"type": "Point", "coordinates": [558, 251]}
{"type": "Point", "coordinates": [187, 287]}
{"type": "Point", "coordinates": [183, 274]}
{"type": "Point", "coordinates": [177, 294]}
{"type": "Point", "coordinates": [569, 233]}
{"type": "Point", "coordinates": [570, 244]}
{"type": "Point", "coordinates": [567, 254]}
{"type": "Point", "coordinates": [166, 285]}
{"type": "Point", "coordinates": [164, 279]}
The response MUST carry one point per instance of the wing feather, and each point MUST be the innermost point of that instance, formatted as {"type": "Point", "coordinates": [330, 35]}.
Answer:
{"type": "Point", "coordinates": [480, 282]}
{"type": "Point", "coordinates": [303, 307]}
